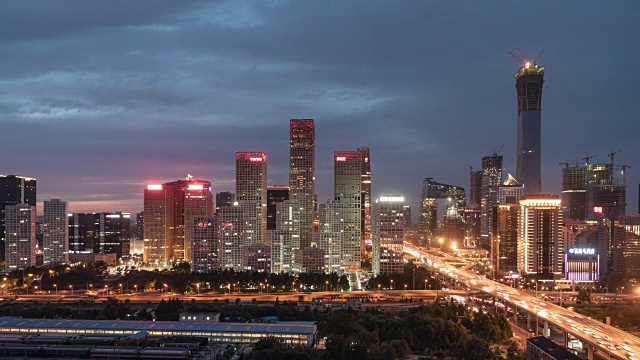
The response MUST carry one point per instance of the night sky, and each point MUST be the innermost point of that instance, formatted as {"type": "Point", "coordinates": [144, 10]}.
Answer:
{"type": "Point", "coordinates": [98, 98]}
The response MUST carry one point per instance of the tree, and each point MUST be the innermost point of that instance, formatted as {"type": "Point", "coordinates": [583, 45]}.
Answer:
{"type": "Point", "coordinates": [584, 295]}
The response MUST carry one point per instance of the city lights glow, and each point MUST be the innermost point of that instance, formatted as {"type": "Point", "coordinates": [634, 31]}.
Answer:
{"type": "Point", "coordinates": [154, 187]}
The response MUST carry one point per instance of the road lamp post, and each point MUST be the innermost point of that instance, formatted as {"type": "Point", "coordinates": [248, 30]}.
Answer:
{"type": "Point", "coordinates": [91, 287]}
{"type": "Point", "coordinates": [198, 286]}
{"type": "Point", "coordinates": [136, 288]}
{"type": "Point", "coordinates": [56, 287]}
{"type": "Point", "coordinates": [71, 287]}
{"type": "Point", "coordinates": [35, 289]}
{"type": "Point", "coordinates": [425, 284]}
{"type": "Point", "coordinates": [120, 288]}
{"type": "Point", "coordinates": [326, 285]}
{"type": "Point", "coordinates": [392, 288]}
{"type": "Point", "coordinates": [106, 287]}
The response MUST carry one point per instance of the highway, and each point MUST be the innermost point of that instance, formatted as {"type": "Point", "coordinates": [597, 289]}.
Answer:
{"type": "Point", "coordinates": [607, 340]}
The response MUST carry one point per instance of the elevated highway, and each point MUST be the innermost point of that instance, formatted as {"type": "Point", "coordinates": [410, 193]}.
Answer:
{"type": "Point", "coordinates": [604, 340]}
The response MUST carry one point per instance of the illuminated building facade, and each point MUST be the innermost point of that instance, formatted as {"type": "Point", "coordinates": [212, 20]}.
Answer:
{"type": "Point", "coordinates": [20, 230]}
{"type": "Point", "coordinates": [529, 80]}
{"type": "Point", "coordinates": [258, 258]}
{"type": "Point", "coordinates": [286, 238]}
{"type": "Point", "coordinates": [251, 188]}
{"type": "Point", "coordinates": [582, 264]}
{"type": "Point", "coordinates": [388, 235]}
{"type": "Point", "coordinates": [275, 194]}
{"type": "Point", "coordinates": [491, 180]}
{"type": "Point", "coordinates": [309, 260]}
{"type": "Point", "coordinates": [168, 212]}
{"type": "Point", "coordinates": [541, 248]}
{"type": "Point", "coordinates": [365, 205]}
{"type": "Point", "coordinates": [302, 139]}
{"type": "Point", "coordinates": [472, 219]}
{"type": "Point", "coordinates": [55, 239]}
{"type": "Point", "coordinates": [205, 247]}
{"type": "Point", "coordinates": [14, 190]}
{"type": "Point", "coordinates": [231, 236]}
{"type": "Point", "coordinates": [475, 187]}
{"type": "Point", "coordinates": [595, 236]}
{"type": "Point", "coordinates": [81, 232]}
{"type": "Point", "coordinates": [347, 189]}
{"type": "Point", "coordinates": [329, 235]}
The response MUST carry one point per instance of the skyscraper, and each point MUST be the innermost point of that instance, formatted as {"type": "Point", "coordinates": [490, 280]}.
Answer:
{"type": "Point", "coordinates": [205, 247]}
{"type": "Point", "coordinates": [347, 188]}
{"type": "Point", "coordinates": [428, 221]}
{"type": "Point", "coordinates": [275, 194]}
{"type": "Point", "coordinates": [302, 173]}
{"type": "Point", "coordinates": [168, 212]}
{"type": "Point", "coordinates": [285, 239]}
{"type": "Point", "coordinates": [541, 248]}
{"type": "Point", "coordinates": [82, 232]}
{"type": "Point", "coordinates": [574, 193]}
{"type": "Point", "coordinates": [225, 198]}
{"type": "Point", "coordinates": [475, 186]}
{"type": "Point", "coordinates": [388, 226]}
{"type": "Point", "coordinates": [529, 80]}
{"type": "Point", "coordinates": [14, 190]}
{"type": "Point", "coordinates": [365, 205]}
{"type": "Point", "coordinates": [491, 180]}
{"type": "Point", "coordinates": [329, 235]}
{"type": "Point", "coordinates": [231, 236]}
{"type": "Point", "coordinates": [251, 188]}
{"type": "Point", "coordinates": [55, 239]}
{"type": "Point", "coordinates": [20, 229]}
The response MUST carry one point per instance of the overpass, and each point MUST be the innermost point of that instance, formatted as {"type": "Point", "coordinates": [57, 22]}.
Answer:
{"type": "Point", "coordinates": [604, 340]}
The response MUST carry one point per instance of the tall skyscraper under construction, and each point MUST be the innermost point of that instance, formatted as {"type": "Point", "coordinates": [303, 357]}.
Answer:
{"type": "Point", "coordinates": [529, 80]}
{"type": "Point", "coordinates": [302, 143]}
{"type": "Point", "coordinates": [574, 192]}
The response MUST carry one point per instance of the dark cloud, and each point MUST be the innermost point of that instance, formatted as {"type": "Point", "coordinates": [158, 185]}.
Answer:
{"type": "Point", "coordinates": [103, 96]}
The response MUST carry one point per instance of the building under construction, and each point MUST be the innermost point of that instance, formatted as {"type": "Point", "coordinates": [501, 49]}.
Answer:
{"type": "Point", "coordinates": [590, 187]}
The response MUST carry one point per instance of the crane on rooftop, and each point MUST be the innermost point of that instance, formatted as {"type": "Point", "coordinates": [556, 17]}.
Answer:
{"type": "Point", "coordinates": [522, 60]}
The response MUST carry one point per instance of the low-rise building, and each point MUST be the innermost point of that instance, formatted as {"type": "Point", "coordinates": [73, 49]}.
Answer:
{"type": "Point", "coordinates": [541, 348]}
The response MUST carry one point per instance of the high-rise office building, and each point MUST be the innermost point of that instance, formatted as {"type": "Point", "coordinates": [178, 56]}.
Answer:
{"type": "Point", "coordinates": [55, 238]}
{"type": "Point", "coordinates": [574, 193]}
{"type": "Point", "coordinates": [475, 186]}
{"type": "Point", "coordinates": [225, 198]}
{"type": "Point", "coordinates": [112, 233]}
{"type": "Point", "coordinates": [286, 238]}
{"type": "Point", "coordinates": [491, 180]}
{"type": "Point", "coordinates": [14, 190]}
{"type": "Point", "coordinates": [472, 219]}
{"type": "Point", "coordinates": [428, 221]}
{"type": "Point", "coordinates": [365, 198]}
{"type": "Point", "coordinates": [20, 230]}
{"type": "Point", "coordinates": [81, 232]}
{"type": "Point", "coordinates": [231, 236]}
{"type": "Point", "coordinates": [168, 212]}
{"type": "Point", "coordinates": [329, 235]}
{"type": "Point", "coordinates": [205, 247]}
{"type": "Point", "coordinates": [347, 188]}
{"type": "Point", "coordinates": [406, 214]}
{"type": "Point", "coordinates": [504, 228]}
{"type": "Point", "coordinates": [140, 225]}
{"type": "Point", "coordinates": [302, 173]}
{"type": "Point", "coordinates": [529, 80]}
{"type": "Point", "coordinates": [541, 248]}
{"type": "Point", "coordinates": [251, 188]}
{"type": "Point", "coordinates": [388, 227]}
{"type": "Point", "coordinates": [275, 194]}
{"type": "Point", "coordinates": [257, 258]}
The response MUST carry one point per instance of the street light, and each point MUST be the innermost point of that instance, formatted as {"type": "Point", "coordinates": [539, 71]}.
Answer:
{"type": "Point", "coordinates": [165, 290]}
{"type": "Point", "coordinates": [136, 287]}
{"type": "Point", "coordinates": [392, 288]}
{"type": "Point", "coordinates": [441, 240]}
{"type": "Point", "coordinates": [91, 287]}
{"type": "Point", "coordinates": [106, 287]}
{"type": "Point", "coordinates": [198, 286]}
{"type": "Point", "coordinates": [536, 281]}
{"type": "Point", "coordinates": [326, 285]}
{"type": "Point", "coordinates": [56, 286]}
{"type": "Point", "coordinates": [71, 287]}
{"type": "Point", "coordinates": [120, 288]}
{"type": "Point", "coordinates": [425, 284]}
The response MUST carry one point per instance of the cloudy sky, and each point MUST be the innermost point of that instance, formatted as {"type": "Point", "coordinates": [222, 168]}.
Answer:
{"type": "Point", "coordinates": [98, 98]}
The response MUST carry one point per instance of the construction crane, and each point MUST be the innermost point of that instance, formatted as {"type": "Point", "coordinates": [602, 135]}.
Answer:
{"type": "Point", "coordinates": [624, 168]}
{"type": "Point", "coordinates": [612, 154]}
{"type": "Point", "coordinates": [588, 157]}
{"type": "Point", "coordinates": [496, 152]}
{"type": "Point", "coordinates": [523, 61]}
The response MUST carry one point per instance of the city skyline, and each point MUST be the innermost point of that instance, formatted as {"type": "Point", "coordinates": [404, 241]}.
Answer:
{"type": "Point", "coordinates": [116, 117]}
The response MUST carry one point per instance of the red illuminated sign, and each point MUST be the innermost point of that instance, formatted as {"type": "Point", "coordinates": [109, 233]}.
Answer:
{"type": "Point", "coordinates": [341, 158]}
{"type": "Point", "coordinates": [598, 210]}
